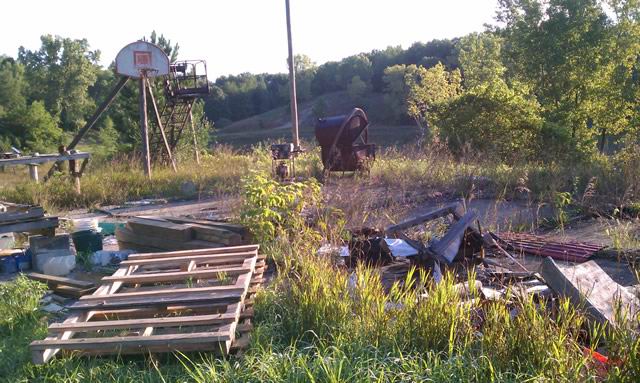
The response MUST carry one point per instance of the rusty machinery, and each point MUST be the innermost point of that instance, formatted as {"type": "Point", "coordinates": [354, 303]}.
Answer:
{"type": "Point", "coordinates": [344, 142]}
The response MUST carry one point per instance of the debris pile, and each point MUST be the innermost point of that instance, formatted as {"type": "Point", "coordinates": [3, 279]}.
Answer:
{"type": "Point", "coordinates": [172, 233]}
{"type": "Point", "coordinates": [498, 262]}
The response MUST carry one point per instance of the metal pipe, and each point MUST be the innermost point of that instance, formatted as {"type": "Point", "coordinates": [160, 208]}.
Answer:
{"type": "Point", "coordinates": [292, 83]}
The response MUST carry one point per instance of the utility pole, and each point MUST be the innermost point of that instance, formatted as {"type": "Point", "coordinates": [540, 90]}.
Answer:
{"type": "Point", "coordinates": [292, 82]}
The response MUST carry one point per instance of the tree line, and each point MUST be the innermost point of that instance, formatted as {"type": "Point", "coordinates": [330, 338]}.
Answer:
{"type": "Point", "coordinates": [551, 79]}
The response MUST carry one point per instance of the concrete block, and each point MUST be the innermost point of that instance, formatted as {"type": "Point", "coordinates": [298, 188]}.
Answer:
{"type": "Point", "coordinates": [42, 243]}
{"type": "Point", "coordinates": [39, 260]}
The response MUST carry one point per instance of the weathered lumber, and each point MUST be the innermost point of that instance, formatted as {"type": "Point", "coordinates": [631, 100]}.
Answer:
{"type": "Point", "coordinates": [229, 250]}
{"type": "Point", "coordinates": [29, 226]}
{"type": "Point", "coordinates": [161, 229]}
{"type": "Point", "coordinates": [29, 214]}
{"type": "Point", "coordinates": [60, 281]}
{"type": "Point", "coordinates": [178, 276]}
{"type": "Point", "coordinates": [455, 208]}
{"type": "Point", "coordinates": [587, 284]}
{"type": "Point", "coordinates": [128, 236]}
{"type": "Point", "coordinates": [210, 259]}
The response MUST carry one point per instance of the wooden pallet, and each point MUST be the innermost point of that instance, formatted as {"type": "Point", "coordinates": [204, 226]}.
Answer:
{"type": "Point", "coordinates": [193, 300]}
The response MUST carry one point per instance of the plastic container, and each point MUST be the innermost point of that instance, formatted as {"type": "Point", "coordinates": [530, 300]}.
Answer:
{"type": "Point", "coordinates": [23, 261]}
{"type": "Point", "coordinates": [85, 224]}
{"type": "Point", "coordinates": [87, 241]}
{"type": "Point", "coordinates": [8, 265]}
{"type": "Point", "coordinates": [7, 241]}
{"type": "Point", "coordinates": [59, 266]}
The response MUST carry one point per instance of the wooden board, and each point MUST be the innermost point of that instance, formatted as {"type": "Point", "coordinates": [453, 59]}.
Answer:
{"type": "Point", "coordinates": [588, 286]}
{"type": "Point", "coordinates": [60, 280]}
{"type": "Point", "coordinates": [161, 229]}
{"type": "Point", "coordinates": [29, 226]}
{"type": "Point", "coordinates": [128, 236]}
{"type": "Point", "coordinates": [148, 308]}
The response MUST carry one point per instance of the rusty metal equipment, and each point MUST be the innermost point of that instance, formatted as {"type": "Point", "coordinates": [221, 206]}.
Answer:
{"type": "Point", "coordinates": [344, 142]}
{"type": "Point", "coordinates": [283, 161]}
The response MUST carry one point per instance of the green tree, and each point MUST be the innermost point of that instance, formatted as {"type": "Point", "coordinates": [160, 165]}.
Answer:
{"type": "Point", "coordinates": [428, 90]}
{"type": "Point", "coordinates": [565, 50]}
{"type": "Point", "coordinates": [32, 127]}
{"type": "Point", "coordinates": [357, 89]}
{"type": "Point", "coordinates": [60, 74]}
{"type": "Point", "coordinates": [492, 119]}
{"type": "Point", "coordinates": [12, 91]}
{"type": "Point", "coordinates": [480, 58]}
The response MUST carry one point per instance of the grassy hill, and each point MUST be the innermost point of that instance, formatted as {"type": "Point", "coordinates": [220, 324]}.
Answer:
{"type": "Point", "coordinates": [275, 124]}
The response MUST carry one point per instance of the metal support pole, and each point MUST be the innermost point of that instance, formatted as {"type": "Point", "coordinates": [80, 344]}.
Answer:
{"type": "Point", "coordinates": [33, 172]}
{"type": "Point", "coordinates": [195, 139]}
{"type": "Point", "coordinates": [161, 128]}
{"type": "Point", "coordinates": [292, 83]}
{"type": "Point", "coordinates": [144, 126]}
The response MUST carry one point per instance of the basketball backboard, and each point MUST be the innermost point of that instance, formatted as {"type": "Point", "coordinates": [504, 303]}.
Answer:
{"type": "Point", "coordinates": [142, 56]}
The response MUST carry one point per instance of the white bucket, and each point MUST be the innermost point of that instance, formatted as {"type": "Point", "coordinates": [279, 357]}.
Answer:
{"type": "Point", "coordinates": [85, 224]}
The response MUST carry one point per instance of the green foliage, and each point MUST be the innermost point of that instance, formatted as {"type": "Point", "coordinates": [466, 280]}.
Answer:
{"type": "Point", "coordinates": [494, 120]}
{"type": "Point", "coordinates": [357, 89]}
{"type": "Point", "coordinates": [32, 128]}
{"type": "Point", "coordinates": [269, 206]}
{"type": "Point", "coordinates": [428, 89]}
{"type": "Point", "coordinates": [19, 301]}
{"type": "Point", "coordinates": [60, 74]}
{"type": "Point", "coordinates": [480, 59]}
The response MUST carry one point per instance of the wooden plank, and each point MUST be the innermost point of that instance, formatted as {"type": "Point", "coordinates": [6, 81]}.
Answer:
{"type": "Point", "coordinates": [186, 259]}
{"type": "Point", "coordinates": [219, 250]}
{"type": "Point", "coordinates": [43, 158]}
{"type": "Point", "coordinates": [60, 280]}
{"type": "Point", "coordinates": [177, 276]}
{"type": "Point", "coordinates": [454, 208]}
{"type": "Point", "coordinates": [127, 235]}
{"type": "Point", "coordinates": [161, 229]}
{"type": "Point", "coordinates": [45, 223]}
{"type": "Point", "coordinates": [222, 225]}
{"type": "Point", "coordinates": [213, 234]}
{"type": "Point", "coordinates": [163, 301]}
{"type": "Point", "coordinates": [140, 341]}
{"type": "Point", "coordinates": [195, 320]}
{"type": "Point", "coordinates": [164, 293]}
{"type": "Point", "coordinates": [31, 213]}
{"type": "Point", "coordinates": [587, 284]}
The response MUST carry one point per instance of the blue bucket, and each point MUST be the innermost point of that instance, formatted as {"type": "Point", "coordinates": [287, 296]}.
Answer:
{"type": "Point", "coordinates": [9, 265]}
{"type": "Point", "coordinates": [23, 261]}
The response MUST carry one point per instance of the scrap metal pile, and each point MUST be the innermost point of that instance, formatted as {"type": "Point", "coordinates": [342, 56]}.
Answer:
{"type": "Point", "coordinates": [191, 300]}
{"type": "Point", "coordinates": [521, 264]}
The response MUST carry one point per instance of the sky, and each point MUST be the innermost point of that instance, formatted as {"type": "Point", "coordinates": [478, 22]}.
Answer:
{"type": "Point", "coordinates": [236, 36]}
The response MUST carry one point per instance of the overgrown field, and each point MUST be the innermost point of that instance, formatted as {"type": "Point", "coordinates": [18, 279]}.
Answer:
{"type": "Point", "coordinates": [604, 182]}
{"type": "Point", "coordinates": [318, 322]}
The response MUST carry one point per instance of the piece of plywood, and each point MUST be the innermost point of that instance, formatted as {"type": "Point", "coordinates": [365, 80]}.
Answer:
{"type": "Point", "coordinates": [161, 229]}
{"type": "Point", "coordinates": [587, 284]}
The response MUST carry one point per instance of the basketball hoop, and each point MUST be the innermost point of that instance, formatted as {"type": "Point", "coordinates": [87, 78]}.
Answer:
{"type": "Point", "coordinates": [142, 59]}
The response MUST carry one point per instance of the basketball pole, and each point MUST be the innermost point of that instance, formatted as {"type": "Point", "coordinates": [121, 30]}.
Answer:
{"type": "Point", "coordinates": [144, 124]}
{"type": "Point", "coordinates": [292, 82]}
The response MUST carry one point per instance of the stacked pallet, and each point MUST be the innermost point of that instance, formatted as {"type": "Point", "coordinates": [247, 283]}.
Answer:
{"type": "Point", "coordinates": [194, 300]}
{"type": "Point", "coordinates": [16, 218]}
{"type": "Point", "coordinates": [171, 233]}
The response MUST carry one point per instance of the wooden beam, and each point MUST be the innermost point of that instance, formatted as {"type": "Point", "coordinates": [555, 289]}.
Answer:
{"type": "Point", "coordinates": [43, 158]}
{"type": "Point", "coordinates": [196, 320]}
{"type": "Point", "coordinates": [230, 250]}
{"type": "Point", "coordinates": [60, 280]}
{"type": "Point", "coordinates": [167, 340]}
{"type": "Point", "coordinates": [186, 259]}
{"type": "Point", "coordinates": [44, 223]}
{"type": "Point", "coordinates": [454, 208]}
{"type": "Point", "coordinates": [177, 276]}
{"type": "Point", "coordinates": [160, 127]}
